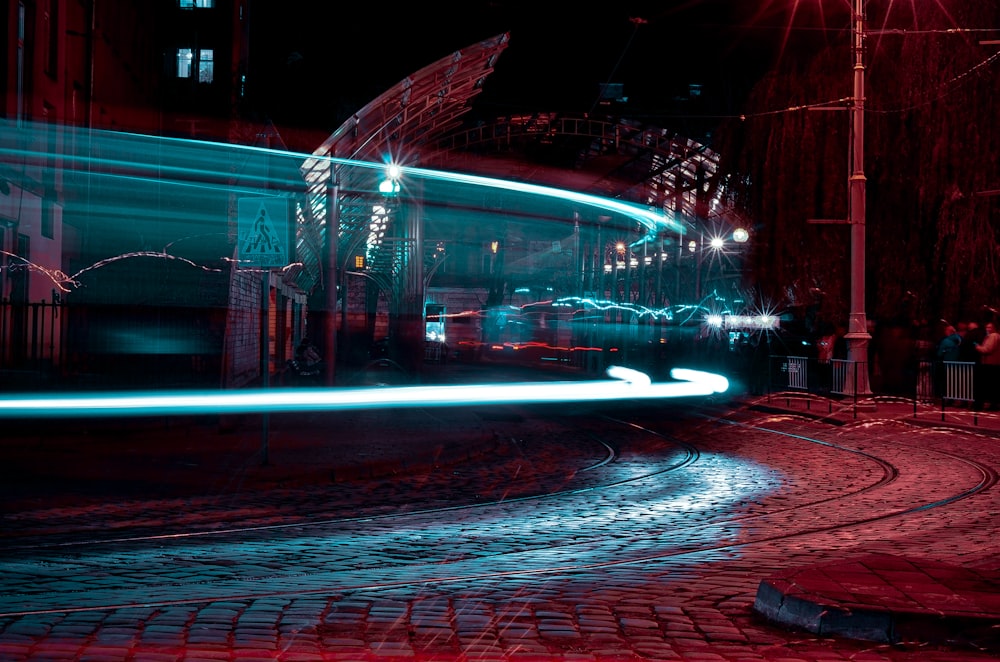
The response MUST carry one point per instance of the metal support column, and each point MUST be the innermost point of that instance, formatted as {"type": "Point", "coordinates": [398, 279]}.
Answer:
{"type": "Point", "coordinates": [330, 269]}
{"type": "Point", "coordinates": [857, 335]}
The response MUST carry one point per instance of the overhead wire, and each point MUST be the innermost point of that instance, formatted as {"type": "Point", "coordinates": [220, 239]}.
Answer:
{"type": "Point", "coordinates": [636, 22]}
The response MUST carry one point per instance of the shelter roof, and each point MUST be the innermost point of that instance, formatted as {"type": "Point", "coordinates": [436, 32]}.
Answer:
{"type": "Point", "coordinates": [419, 121]}
{"type": "Point", "coordinates": [420, 109]}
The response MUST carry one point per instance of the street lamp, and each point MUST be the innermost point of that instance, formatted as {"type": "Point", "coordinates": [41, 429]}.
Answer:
{"type": "Point", "coordinates": [712, 249]}
{"type": "Point", "coordinates": [857, 335]}
{"type": "Point", "coordinates": [389, 186]}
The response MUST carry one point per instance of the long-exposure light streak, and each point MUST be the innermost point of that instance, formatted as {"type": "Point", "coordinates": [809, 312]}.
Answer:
{"type": "Point", "coordinates": [653, 220]}
{"type": "Point", "coordinates": [627, 385]}
{"type": "Point", "coordinates": [205, 177]}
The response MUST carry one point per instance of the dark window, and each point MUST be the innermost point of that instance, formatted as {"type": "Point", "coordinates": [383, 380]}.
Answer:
{"type": "Point", "coordinates": [50, 20]}
{"type": "Point", "coordinates": [49, 175]}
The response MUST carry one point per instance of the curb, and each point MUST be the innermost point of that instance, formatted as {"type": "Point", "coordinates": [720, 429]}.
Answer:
{"type": "Point", "coordinates": [887, 599]}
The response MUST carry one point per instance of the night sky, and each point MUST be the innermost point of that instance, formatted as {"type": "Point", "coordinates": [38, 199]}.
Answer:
{"type": "Point", "coordinates": [316, 63]}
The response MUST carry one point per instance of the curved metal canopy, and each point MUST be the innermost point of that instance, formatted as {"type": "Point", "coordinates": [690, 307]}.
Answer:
{"type": "Point", "coordinates": [419, 111]}
{"type": "Point", "coordinates": [418, 121]}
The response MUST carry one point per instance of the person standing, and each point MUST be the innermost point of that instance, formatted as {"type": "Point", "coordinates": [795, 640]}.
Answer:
{"type": "Point", "coordinates": [948, 350]}
{"type": "Point", "coordinates": [824, 357]}
{"type": "Point", "coordinates": [974, 335]}
{"type": "Point", "coordinates": [950, 345]}
{"type": "Point", "coordinates": [967, 353]}
{"type": "Point", "coordinates": [989, 369]}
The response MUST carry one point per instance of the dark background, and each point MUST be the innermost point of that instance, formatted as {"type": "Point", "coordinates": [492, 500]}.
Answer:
{"type": "Point", "coordinates": [317, 63]}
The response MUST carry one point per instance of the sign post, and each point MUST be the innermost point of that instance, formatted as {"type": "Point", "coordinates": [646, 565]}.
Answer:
{"type": "Point", "coordinates": [263, 229]}
{"type": "Point", "coordinates": [262, 232]}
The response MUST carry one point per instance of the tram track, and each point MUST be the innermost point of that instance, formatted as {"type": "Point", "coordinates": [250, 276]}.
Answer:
{"type": "Point", "coordinates": [416, 557]}
{"type": "Point", "coordinates": [607, 455]}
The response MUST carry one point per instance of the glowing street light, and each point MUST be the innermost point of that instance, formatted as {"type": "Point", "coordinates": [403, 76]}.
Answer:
{"type": "Point", "coordinates": [390, 185]}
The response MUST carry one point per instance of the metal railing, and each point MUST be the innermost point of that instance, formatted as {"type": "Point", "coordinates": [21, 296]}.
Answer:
{"type": "Point", "coordinates": [944, 383]}
{"type": "Point", "coordinates": [790, 374]}
{"type": "Point", "coordinates": [30, 334]}
{"type": "Point", "coordinates": [951, 383]}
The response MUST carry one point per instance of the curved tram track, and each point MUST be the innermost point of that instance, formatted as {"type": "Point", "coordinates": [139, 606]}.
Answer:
{"type": "Point", "coordinates": [636, 500]}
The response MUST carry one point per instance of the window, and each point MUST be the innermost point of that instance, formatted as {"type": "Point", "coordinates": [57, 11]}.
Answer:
{"type": "Point", "coordinates": [21, 56]}
{"type": "Point", "coordinates": [184, 58]}
{"type": "Point", "coordinates": [191, 4]}
{"type": "Point", "coordinates": [48, 218]}
{"type": "Point", "coordinates": [204, 63]}
{"type": "Point", "coordinates": [50, 19]}
{"type": "Point", "coordinates": [49, 177]}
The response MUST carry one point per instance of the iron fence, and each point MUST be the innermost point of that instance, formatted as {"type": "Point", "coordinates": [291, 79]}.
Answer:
{"type": "Point", "coordinates": [943, 383]}
{"type": "Point", "coordinates": [952, 384]}
{"type": "Point", "coordinates": [55, 343]}
{"type": "Point", "coordinates": [31, 335]}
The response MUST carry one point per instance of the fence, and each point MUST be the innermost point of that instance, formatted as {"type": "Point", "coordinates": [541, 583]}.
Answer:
{"type": "Point", "coordinates": [59, 344]}
{"type": "Point", "coordinates": [792, 375]}
{"type": "Point", "coordinates": [949, 383]}
{"type": "Point", "coordinates": [31, 335]}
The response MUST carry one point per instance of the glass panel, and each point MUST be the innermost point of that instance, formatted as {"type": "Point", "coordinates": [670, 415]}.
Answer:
{"type": "Point", "coordinates": [206, 65]}
{"type": "Point", "coordinates": [184, 57]}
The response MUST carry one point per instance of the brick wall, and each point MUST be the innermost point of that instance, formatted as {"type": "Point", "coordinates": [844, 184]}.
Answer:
{"type": "Point", "coordinates": [241, 355]}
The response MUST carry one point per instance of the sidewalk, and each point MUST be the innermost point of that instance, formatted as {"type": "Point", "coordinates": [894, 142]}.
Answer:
{"type": "Point", "coordinates": [880, 597]}
{"type": "Point", "coordinates": [844, 410]}
{"type": "Point", "coordinates": [887, 599]}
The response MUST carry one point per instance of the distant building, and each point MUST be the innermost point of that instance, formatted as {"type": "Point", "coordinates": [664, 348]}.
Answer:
{"type": "Point", "coordinates": [137, 240]}
{"type": "Point", "coordinates": [69, 70]}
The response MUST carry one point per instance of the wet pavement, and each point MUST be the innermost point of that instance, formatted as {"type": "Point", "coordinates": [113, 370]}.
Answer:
{"type": "Point", "coordinates": [889, 589]}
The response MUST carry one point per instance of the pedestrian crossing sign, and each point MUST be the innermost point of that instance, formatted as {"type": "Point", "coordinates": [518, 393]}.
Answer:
{"type": "Point", "coordinates": [263, 232]}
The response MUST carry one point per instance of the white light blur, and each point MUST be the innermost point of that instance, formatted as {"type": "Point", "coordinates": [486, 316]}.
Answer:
{"type": "Point", "coordinates": [627, 384]}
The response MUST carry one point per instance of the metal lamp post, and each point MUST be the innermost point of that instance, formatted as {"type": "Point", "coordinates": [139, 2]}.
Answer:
{"type": "Point", "coordinates": [857, 335]}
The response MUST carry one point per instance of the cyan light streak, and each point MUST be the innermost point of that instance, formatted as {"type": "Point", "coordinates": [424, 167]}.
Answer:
{"type": "Point", "coordinates": [651, 219]}
{"type": "Point", "coordinates": [626, 384]}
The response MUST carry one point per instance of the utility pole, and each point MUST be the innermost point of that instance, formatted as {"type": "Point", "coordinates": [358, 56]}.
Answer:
{"type": "Point", "coordinates": [857, 332]}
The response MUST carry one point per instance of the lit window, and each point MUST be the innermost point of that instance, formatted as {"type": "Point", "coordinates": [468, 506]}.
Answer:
{"type": "Point", "coordinates": [206, 65]}
{"type": "Point", "coordinates": [187, 64]}
{"type": "Point", "coordinates": [359, 261]}
{"type": "Point", "coordinates": [184, 58]}
{"type": "Point", "coordinates": [191, 4]}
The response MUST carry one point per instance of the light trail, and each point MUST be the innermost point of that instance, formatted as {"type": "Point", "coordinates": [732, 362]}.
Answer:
{"type": "Point", "coordinates": [653, 220]}
{"type": "Point", "coordinates": [627, 384]}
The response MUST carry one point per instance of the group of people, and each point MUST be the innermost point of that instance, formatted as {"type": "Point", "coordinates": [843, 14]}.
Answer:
{"type": "Point", "coordinates": [970, 342]}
